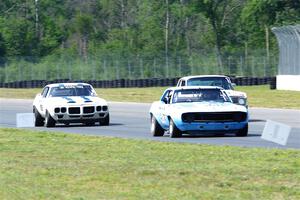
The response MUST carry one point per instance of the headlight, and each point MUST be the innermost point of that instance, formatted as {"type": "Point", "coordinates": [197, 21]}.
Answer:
{"type": "Point", "coordinates": [98, 108]}
{"type": "Point", "coordinates": [63, 109]}
{"type": "Point", "coordinates": [56, 110]}
{"type": "Point", "coordinates": [242, 101]}
{"type": "Point", "coordinates": [104, 108]}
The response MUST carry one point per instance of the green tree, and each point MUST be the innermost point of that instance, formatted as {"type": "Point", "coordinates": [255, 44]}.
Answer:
{"type": "Point", "coordinates": [260, 15]}
{"type": "Point", "coordinates": [222, 15]}
{"type": "Point", "coordinates": [19, 37]}
{"type": "Point", "coordinates": [2, 46]}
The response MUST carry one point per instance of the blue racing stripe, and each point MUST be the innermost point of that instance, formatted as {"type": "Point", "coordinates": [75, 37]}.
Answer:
{"type": "Point", "coordinates": [69, 100]}
{"type": "Point", "coordinates": [86, 100]}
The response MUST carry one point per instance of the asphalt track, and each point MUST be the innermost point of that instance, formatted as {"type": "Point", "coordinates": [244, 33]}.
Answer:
{"type": "Point", "coordinates": [131, 120]}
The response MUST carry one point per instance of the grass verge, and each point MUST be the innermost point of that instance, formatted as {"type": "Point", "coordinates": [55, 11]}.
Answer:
{"type": "Point", "coordinates": [259, 96]}
{"type": "Point", "coordinates": [44, 165]}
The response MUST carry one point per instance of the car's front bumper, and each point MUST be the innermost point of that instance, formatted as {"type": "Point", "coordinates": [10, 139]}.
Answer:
{"type": "Point", "coordinates": [211, 126]}
{"type": "Point", "coordinates": [79, 118]}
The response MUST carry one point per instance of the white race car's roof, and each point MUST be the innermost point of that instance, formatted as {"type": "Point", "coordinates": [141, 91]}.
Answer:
{"type": "Point", "coordinates": [202, 76]}
{"type": "Point", "coordinates": [194, 87]}
{"type": "Point", "coordinates": [65, 84]}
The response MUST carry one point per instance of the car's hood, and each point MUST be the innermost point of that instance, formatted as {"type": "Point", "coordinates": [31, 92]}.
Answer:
{"type": "Point", "coordinates": [208, 107]}
{"type": "Point", "coordinates": [76, 100]}
{"type": "Point", "coordinates": [234, 93]}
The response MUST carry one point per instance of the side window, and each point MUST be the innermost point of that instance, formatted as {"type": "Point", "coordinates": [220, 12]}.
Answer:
{"type": "Point", "coordinates": [93, 92]}
{"type": "Point", "coordinates": [183, 83]}
{"type": "Point", "coordinates": [228, 79]}
{"type": "Point", "coordinates": [166, 96]}
{"type": "Point", "coordinates": [179, 83]}
{"type": "Point", "coordinates": [45, 92]}
{"type": "Point", "coordinates": [170, 96]}
{"type": "Point", "coordinates": [229, 83]}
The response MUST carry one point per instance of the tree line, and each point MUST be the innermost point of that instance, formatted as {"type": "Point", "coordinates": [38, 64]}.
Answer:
{"type": "Point", "coordinates": [45, 30]}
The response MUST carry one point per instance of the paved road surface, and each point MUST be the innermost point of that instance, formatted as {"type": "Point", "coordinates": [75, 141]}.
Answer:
{"type": "Point", "coordinates": [131, 120]}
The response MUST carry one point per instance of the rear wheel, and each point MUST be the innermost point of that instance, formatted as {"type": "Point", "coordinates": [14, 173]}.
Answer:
{"type": "Point", "coordinates": [174, 131]}
{"type": "Point", "coordinates": [49, 121]}
{"type": "Point", "coordinates": [156, 129]}
{"type": "Point", "coordinates": [104, 121]}
{"type": "Point", "coordinates": [39, 120]}
{"type": "Point", "coordinates": [242, 132]}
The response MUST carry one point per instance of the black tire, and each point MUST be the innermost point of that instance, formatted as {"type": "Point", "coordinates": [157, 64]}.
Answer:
{"type": "Point", "coordinates": [104, 121]}
{"type": "Point", "coordinates": [173, 130]}
{"type": "Point", "coordinates": [242, 132]}
{"type": "Point", "coordinates": [39, 120]}
{"type": "Point", "coordinates": [156, 129]}
{"type": "Point", "coordinates": [49, 121]}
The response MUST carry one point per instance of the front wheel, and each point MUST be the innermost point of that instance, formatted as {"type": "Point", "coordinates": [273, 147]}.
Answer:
{"type": "Point", "coordinates": [242, 132]}
{"type": "Point", "coordinates": [39, 120]}
{"type": "Point", "coordinates": [173, 130]}
{"type": "Point", "coordinates": [104, 121]}
{"type": "Point", "coordinates": [156, 129]}
{"type": "Point", "coordinates": [49, 121]}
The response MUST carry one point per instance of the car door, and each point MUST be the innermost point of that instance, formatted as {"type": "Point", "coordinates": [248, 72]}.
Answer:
{"type": "Point", "coordinates": [164, 108]}
{"type": "Point", "coordinates": [41, 101]}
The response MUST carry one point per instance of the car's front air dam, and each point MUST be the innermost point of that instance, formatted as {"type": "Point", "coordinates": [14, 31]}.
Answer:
{"type": "Point", "coordinates": [194, 126]}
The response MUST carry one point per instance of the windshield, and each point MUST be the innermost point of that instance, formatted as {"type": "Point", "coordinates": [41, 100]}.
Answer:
{"type": "Point", "coordinates": [200, 95]}
{"type": "Point", "coordinates": [210, 81]}
{"type": "Point", "coordinates": [74, 90]}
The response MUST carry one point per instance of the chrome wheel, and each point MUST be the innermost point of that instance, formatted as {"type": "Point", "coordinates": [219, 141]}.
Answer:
{"type": "Point", "coordinates": [156, 129]}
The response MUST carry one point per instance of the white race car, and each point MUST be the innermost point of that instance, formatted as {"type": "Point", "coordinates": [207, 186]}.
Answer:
{"type": "Point", "coordinates": [69, 103]}
{"type": "Point", "coordinates": [237, 97]}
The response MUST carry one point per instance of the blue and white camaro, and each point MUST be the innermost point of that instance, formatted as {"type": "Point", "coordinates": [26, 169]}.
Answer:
{"type": "Point", "coordinates": [197, 109]}
{"type": "Point", "coordinates": [69, 103]}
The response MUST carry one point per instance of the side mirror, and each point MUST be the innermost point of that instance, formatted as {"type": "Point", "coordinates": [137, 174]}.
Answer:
{"type": "Point", "coordinates": [233, 84]}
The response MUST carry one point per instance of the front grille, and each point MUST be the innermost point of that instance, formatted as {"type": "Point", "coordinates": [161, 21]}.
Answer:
{"type": "Point", "coordinates": [89, 109]}
{"type": "Point", "coordinates": [214, 117]}
{"type": "Point", "coordinates": [74, 110]}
